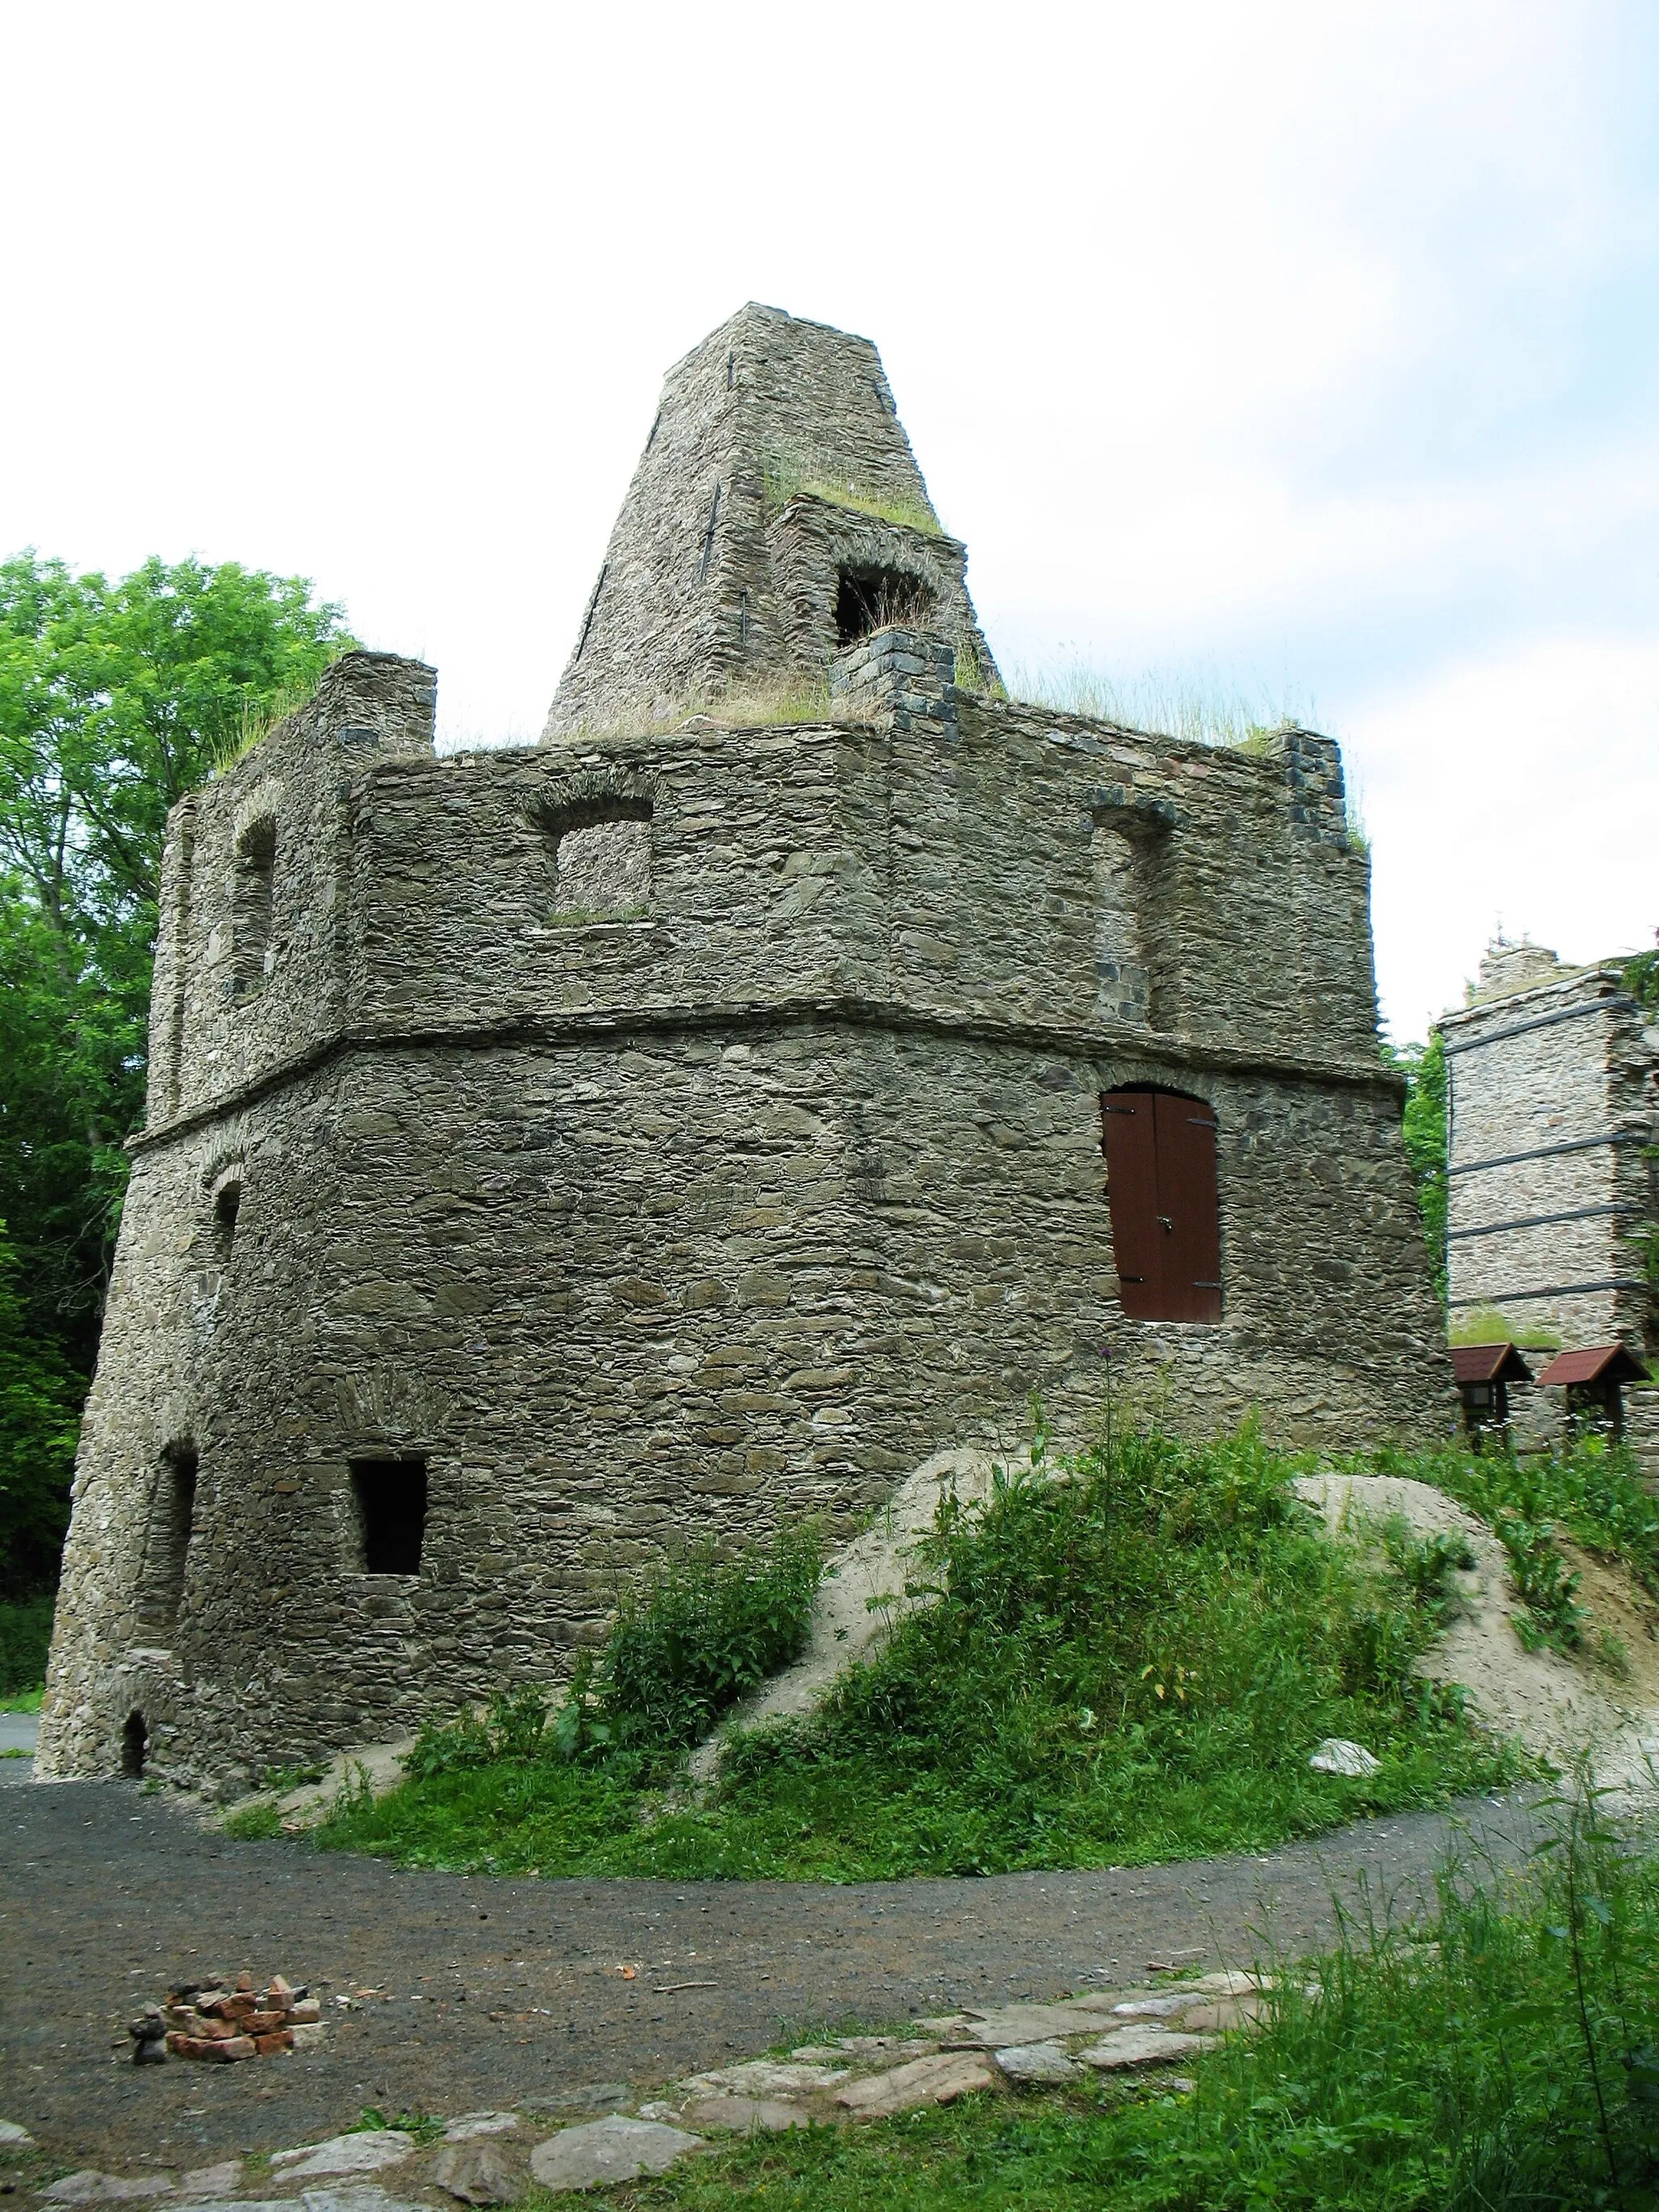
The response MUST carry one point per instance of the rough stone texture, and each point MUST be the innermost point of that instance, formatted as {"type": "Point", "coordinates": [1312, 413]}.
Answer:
{"type": "Point", "coordinates": [719, 572]}
{"type": "Point", "coordinates": [1036, 2063]}
{"type": "Point", "coordinates": [744, 1205]}
{"type": "Point", "coordinates": [1552, 1089]}
{"type": "Point", "coordinates": [599, 2152]}
{"type": "Point", "coordinates": [1142, 2043]}
{"type": "Point", "coordinates": [368, 2151]}
{"type": "Point", "coordinates": [477, 2174]}
{"type": "Point", "coordinates": [745, 2115]}
{"type": "Point", "coordinates": [939, 2081]}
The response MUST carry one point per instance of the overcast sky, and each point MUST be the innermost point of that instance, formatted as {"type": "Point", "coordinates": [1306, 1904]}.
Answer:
{"type": "Point", "coordinates": [1304, 351]}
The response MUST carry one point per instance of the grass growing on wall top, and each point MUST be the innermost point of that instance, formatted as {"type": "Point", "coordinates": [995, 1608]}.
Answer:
{"type": "Point", "coordinates": [1132, 1662]}
{"type": "Point", "coordinates": [1202, 709]}
{"type": "Point", "coordinates": [790, 476]}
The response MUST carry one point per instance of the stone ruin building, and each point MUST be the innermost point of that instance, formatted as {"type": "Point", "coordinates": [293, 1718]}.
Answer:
{"type": "Point", "coordinates": [702, 1116]}
{"type": "Point", "coordinates": [1552, 1114]}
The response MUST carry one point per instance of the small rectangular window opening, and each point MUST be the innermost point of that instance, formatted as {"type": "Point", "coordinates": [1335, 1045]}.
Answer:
{"type": "Point", "coordinates": [870, 598]}
{"type": "Point", "coordinates": [167, 1541]}
{"type": "Point", "coordinates": [254, 899]}
{"type": "Point", "coordinates": [390, 1496]}
{"type": "Point", "coordinates": [602, 863]}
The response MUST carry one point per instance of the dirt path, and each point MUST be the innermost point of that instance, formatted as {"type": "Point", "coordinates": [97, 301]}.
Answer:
{"type": "Point", "coordinates": [507, 1990]}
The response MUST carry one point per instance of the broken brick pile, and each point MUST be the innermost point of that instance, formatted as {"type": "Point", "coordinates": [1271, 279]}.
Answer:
{"type": "Point", "coordinates": [205, 2019]}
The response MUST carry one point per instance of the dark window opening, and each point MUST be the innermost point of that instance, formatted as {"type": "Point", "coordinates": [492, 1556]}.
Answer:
{"type": "Point", "coordinates": [1166, 1210]}
{"type": "Point", "coordinates": [870, 598]}
{"type": "Point", "coordinates": [390, 1500]}
{"type": "Point", "coordinates": [167, 1542]}
{"type": "Point", "coordinates": [135, 1747]}
{"type": "Point", "coordinates": [254, 899]}
{"type": "Point", "coordinates": [227, 1205]}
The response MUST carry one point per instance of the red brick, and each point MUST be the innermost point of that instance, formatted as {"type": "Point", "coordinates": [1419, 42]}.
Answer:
{"type": "Point", "coordinates": [236, 2046]}
{"type": "Point", "coordinates": [245, 1981]}
{"type": "Point", "coordinates": [282, 2039]}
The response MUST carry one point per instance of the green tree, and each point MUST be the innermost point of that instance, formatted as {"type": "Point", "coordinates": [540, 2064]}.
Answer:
{"type": "Point", "coordinates": [115, 699]}
{"type": "Point", "coordinates": [1424, 1132]}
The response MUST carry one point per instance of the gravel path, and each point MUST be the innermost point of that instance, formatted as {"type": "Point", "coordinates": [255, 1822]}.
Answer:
{"type": "Point", "coordinates": [502, 1991]}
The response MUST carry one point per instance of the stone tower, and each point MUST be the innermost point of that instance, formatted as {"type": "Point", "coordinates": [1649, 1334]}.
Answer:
{"type": "Point", "coordinates": [557, 1150]}
{"type": "Point", "coordinates": [776, 516]}
{"type": "Point", "coordinates": [1553, 1097]}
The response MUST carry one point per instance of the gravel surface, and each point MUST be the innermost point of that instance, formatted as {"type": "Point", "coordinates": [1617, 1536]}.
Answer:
{"type": "Point", "coordinates": [503, 1991]}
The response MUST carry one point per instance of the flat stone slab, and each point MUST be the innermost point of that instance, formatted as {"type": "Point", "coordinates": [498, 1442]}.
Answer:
{"type": "Point", "coordinates": [1036, 2063]}
{"type": "Point", "coordinates": [365, 2153]}
{"type": "Point", "coordinates": [1024, 2023]}
{"type": "Point", "coordinates": [90, 2187]}
{"type": "Point", "coordinates": [612, 2150]}
{"type": "Point", "coordinates": [477, 2172]}
{"type": "Point", "coordinates": [472, 2125]}
{"type": "Point", "coordinates": [222, 2180]}
{"type": "Point", "coordinates": [766, 2077]}
{"type": "Point", "coordinates": [366, 2197]}
{"type": "Point", "coordinates": [746, 2115]}
{"type": "Point", "coordinates": [937, 2080]}
{"type": "Point", "coordinates": [1143, 2043]}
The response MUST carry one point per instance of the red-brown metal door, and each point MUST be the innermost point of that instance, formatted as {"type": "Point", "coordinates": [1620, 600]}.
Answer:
{"type": "Point", "coordinates": [1161, 1190]}
{"type": "Point", "coordinates": [1129, 1124]}
{"type": "Point", "coordinates": [1189, 1211]}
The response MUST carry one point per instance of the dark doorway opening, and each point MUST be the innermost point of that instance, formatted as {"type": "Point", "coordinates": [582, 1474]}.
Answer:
{"type": "Point", "coordinates": [390, 1500]}
{"type": "Point", "coordinates": [135, 1747]}
{"type": "Point", "coordinates": [1166, 1216]}
{"type": "Point", "coordinates": [870, 598]}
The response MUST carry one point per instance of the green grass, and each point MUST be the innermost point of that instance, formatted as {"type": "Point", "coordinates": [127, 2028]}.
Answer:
{"type": "Point", "coordinates": [1130, 1664]}
{"type": "Point", "coordinates": [789, 476]}
{"type": "Point", "coordinates": [1591, 1490]}
{"type": "Point", "coordinates": [1500, 2058]}
{"type": "Point", "coordinates": [24, 1701]}
{"type": "Point", "coordinates": [1201, 708]}
{"type": "Point", "coordinates": [25, 1638]}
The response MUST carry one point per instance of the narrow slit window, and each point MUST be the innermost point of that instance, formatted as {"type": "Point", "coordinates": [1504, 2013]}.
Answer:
{"type": "Point", "coordinates": [390, 1497]}
{"type": "Point", "coordinates": [1165, 1212]}
{"type": "Point", "coordinates": [227, 1209]}
{"type": "Point", "coordinates": [166, 1543]}
{"type": "Point", "coordinates": [253, 904]}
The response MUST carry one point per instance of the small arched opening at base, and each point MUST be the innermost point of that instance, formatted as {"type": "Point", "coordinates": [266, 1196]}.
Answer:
{"type": "Point", "coordinates": [135, 1747]}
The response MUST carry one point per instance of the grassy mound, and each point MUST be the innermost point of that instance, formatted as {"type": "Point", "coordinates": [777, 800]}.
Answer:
{"type": "Point", "coordinates": [1129, 1662]}
{"type": "Point", "coordinates": [1501, 2060]}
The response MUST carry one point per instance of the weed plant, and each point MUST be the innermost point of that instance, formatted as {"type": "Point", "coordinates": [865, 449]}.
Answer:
{"type": "Point", "coordinates": [1500, 2057]}
{"type": "Point", "coordinates": [1590, 1489]}
{"type": "Point", "coordinates": [1130, 1662]}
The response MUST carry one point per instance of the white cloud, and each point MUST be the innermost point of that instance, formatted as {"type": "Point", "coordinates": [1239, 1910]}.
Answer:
{"type": "Point", "coordinates": [1521, 792]}
{"type": "Point", "coordinates": [1315, 345]}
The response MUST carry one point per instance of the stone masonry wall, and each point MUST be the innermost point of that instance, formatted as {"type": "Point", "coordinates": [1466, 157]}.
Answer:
{"type": "Point", "coordinates": [731, 1204]}
{"type": "Point", "coordinates": [1553, 1098]}
{"type": "Point", "coordinates": [704, 585]}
